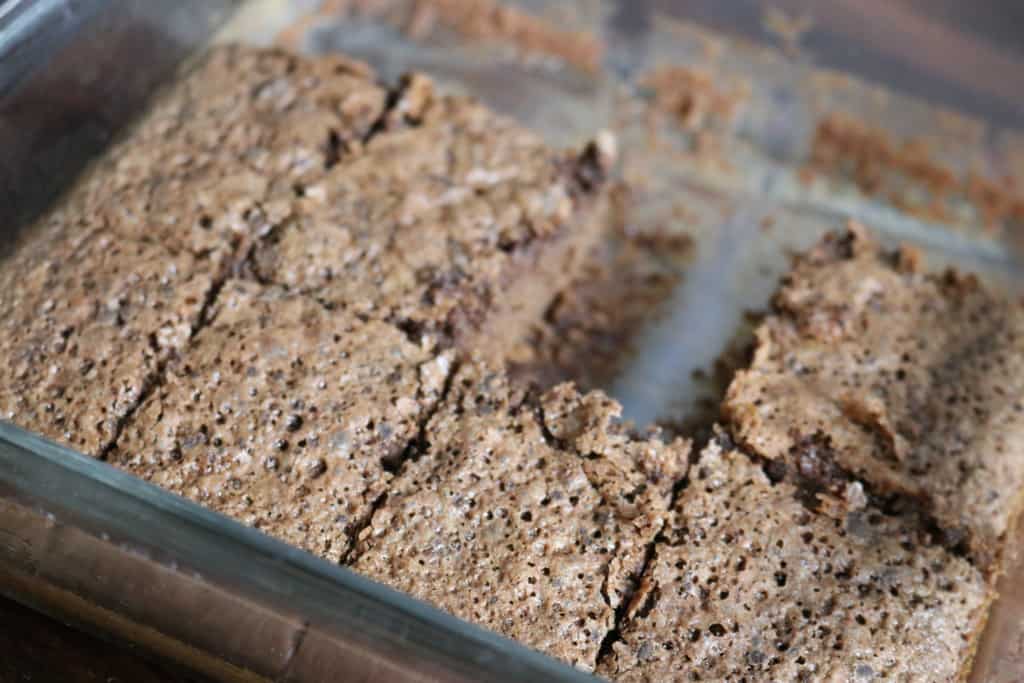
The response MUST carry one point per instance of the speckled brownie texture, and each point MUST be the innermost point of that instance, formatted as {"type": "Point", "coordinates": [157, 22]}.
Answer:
{"type": "Point", "coordinates": [451, 218]}
{"type": "Point", "coordinates": [213, 164]}
{"type": "Point", "coordinates": [285, 416]}
{"type": "Point", "coordinates": [84, 324]}
{"type": "Point", "coordinates": [110, 282]}
{"type": "Point", "coordinates": [750, 585]}
{"type": "Point", "coordinates": [910, 382]}
{"type": "Point", "coordinates": [519, 531]}
{"type": "Point", "coordinates": [634, 473]}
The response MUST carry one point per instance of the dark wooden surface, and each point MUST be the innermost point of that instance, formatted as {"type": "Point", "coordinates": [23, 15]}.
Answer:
{"type": "Point", "coordinates": [38, 649]}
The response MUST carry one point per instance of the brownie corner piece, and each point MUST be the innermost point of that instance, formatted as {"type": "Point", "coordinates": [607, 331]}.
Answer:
{"type": "Point", "coordinates": [87, 317]}
{"type": "Point", "coordinates": [750, 583]}
{"type": "Point", "coordinates": [455, 222]}
{"type": "Point", "coordinates": [218, 159]}
{"type": "Point", "coordinates": [906, 380]}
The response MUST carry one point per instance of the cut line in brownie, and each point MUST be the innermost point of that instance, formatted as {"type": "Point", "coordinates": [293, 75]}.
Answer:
{"type": "Point", "coordinates": [111, 281]}
{"type": "Point", "coordinates": [531, 520]}
{"type": "Point", "coordinates": [910, 382]}
{"type": "Point", "coordinates": [249, 145]}
{"type": "Point", "coordinates": [452, 222]}
{"type": "Point", "coordinates": [285, 416]}
{"type": "Point", "coordinates": [86, 318]}
{"type": "Point", "coordinates": [749, 584]}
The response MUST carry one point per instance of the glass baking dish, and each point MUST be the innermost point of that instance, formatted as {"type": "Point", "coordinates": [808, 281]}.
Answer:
{"type": "Point", "coordinates": [119, 557]}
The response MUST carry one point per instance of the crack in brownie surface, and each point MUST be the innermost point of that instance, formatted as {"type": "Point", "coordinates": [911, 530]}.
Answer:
{"type": "Point", "coordinates": [219, 156]}
{"type": "Point", "coordinates": [83, 328]}
{"type": "Point", "coordinates": [284, 416]}
{"type": "Point", "coordinates": [110, 283]}
{"type": "Point", "coordinates": [751, 585]}
{"type": "Point", "coordinates": [500, 527]}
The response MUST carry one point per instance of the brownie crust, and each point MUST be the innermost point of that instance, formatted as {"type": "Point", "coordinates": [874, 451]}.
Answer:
{"type": "Point", "coordinates": [286, 293]}
{"type": "Point", "coordinates": [110, 284]}
{"type": "Point", "coordinates": [506, 522]}
{"type": "Point", "coordinates": [752, 585]}
{"type": "Point", "coordinates": [285, 416]}
{"type": "Point", "coordinates": [452, 222]}
{"type": "Point", "coordinates": [84, 327]}
{"type": "Point", "coordinates": [907, 381]}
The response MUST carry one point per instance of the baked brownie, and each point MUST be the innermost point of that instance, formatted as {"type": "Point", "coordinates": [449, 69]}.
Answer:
{"type": "Point", "coordinates": [285, 416]}
{"type": "Point", "coordinates": [254, 144]}
{"type": "Point", "coordinates": [453, 222]}
{"type": "Point", "coordinates": [907, 381]}
{"type": "Point", "coordinates": [85, 320]}
{"type": "Point", "coordinates": [113, 278]}
{"type": "Point", "coordinates": [531, 520]}
{"type": "Point", "coordinates": [215, 161]}
{"type": "Point", "coordinates": [751, 585]}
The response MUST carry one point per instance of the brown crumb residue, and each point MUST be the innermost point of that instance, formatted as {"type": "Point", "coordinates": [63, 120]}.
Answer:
{"type": "Point", "coordinates": [693, 98]}
{"type": "Point", "coordinates": [491, 21]}
{"type": "Point", "coordinates": [695, 104]}
{"type": "Point", "coordinates": [906, 175]}
{"type": "Point", "coordinates": [480, 21]}
{"type": "Point", "coordinates": [589, 328]}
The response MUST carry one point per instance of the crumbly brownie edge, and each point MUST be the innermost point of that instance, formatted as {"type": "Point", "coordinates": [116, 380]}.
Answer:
{"type": "Point", "coordinates": [627, 480]}
{"type": "Point", "coordinates": [270, 417]}
{"type": "Point", "coordinates": [241, 253]}
{"type": "Point", "coordinates": [797, 332]}
{"type": "Point", "coordinates": [646, 599]}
